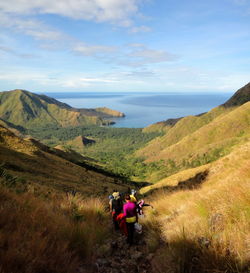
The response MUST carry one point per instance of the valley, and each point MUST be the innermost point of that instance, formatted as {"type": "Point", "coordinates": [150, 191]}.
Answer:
{"type": "Point", "coordinates": [59, 165]}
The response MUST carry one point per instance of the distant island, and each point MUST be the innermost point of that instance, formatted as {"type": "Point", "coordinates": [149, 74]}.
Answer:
{"type": "Point", "coordinates": [23, 108]}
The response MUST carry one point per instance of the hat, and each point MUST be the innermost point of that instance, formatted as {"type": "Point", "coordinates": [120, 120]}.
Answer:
{"type": "Point", "coordinates": [116, 195]}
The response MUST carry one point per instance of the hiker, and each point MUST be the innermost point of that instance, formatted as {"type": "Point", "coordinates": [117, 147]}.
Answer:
{"type": "Point", "coordinates": [140, 205]}
{"type": "Point", "coordinates": [116, 208]}
{"type": "Point", "coordinates": [129, 211]}
{"type": "Point", "coordinates": [111, 197]}
{"type": "Point", "coordinates": [122, 223]}
{"type": "Point", "coordinates": [133, 196]}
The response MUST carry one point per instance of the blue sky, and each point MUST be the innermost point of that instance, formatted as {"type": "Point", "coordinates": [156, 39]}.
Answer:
{"type": "Point", "coordinates": [125, 45]}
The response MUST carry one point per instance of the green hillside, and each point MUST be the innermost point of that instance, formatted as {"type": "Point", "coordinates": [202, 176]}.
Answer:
{"type": "Point", "coordinates": [240, 97]}
{"type": "Point", "coordinates": [205, 144]}
{"type": "Point", "coordinates": [109, 147]}
{"type": "Point", "coordinates": [182, 128]}
{"type": "Point", "coordinates": [49, 170]}
{"type": "Point", "coordinates": [197, 140]}
{"type": "Point", "coordinates": [30, 110]}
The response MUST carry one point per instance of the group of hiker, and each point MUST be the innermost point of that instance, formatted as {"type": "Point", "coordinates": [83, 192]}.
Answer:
{"type": "Point", "coordinates": [125, 211]}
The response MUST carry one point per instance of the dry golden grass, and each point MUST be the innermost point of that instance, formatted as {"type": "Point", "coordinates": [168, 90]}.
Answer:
{"type": "Point", "coordinates": [49, 236]}
{"type": "Point", "coordinates": [206, 229]}
{"type": "Point", "coordinates": [198, 140]}
{"type": "Point", "coordinates": [232, 127]}
{"type": "Point", "coordinates": [181, 129]}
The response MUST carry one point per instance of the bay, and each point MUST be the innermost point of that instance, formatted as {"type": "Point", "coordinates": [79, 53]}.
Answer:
{"type": "Point", "coordinates": [143, 109]}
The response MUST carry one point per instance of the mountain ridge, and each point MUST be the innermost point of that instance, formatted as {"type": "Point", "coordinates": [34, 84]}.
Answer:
{"type": "Point", "coordinates": [179, 137]}
{"type": "Point", "coordinates": [240, 97]}
{"type": "Point", "coordinates": [29, 110]}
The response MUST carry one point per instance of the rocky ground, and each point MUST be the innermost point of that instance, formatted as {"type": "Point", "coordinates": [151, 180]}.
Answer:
{"type": "Point", "coordinates": [116, 256]}
{"type": "Point", "coordinates": [122, 258]}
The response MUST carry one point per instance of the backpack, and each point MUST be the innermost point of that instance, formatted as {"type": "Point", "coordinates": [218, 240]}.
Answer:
{"type": "Point", "coordinates": [139, 206]}
{"type": "Point", "coordinates": [117, 205]}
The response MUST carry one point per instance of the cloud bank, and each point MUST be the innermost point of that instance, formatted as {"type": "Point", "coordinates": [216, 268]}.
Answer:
{"type": "Point", "coordinates": [114, 11]}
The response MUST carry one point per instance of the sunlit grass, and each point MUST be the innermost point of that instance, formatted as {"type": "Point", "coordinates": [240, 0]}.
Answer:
{"type": "Point", "coordinates": [206, 229]}
{"type": "Point", "coordinates": [48, 236]}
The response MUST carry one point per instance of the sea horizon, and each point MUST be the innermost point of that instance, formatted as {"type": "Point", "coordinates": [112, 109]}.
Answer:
{"type": "Point", "coordinates": [144, 108]}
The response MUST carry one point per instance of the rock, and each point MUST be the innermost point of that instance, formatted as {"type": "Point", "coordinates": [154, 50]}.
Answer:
{"type": "Point", "coordinates": [102, 262]}
{"type": "Point", "coordinates": [150, 257]}
{"type": "Point", "coordinates": [136, 255]}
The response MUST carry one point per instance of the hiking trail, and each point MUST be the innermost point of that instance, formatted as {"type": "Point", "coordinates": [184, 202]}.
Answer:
{"type": "Point", "coordinates": [116, 256]}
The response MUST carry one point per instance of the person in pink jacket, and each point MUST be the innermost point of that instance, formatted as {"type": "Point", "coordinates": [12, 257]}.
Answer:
{"type": "Point", "coordinates": [129, 211]}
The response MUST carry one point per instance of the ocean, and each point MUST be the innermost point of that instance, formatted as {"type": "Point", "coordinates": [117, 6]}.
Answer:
{"type": "Point", "coordinates": [143, 109]}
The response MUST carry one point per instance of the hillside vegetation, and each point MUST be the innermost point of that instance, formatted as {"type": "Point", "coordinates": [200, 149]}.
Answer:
{"type": "Point", "coordinates": [197, 140]}
{"type": "Point", "coordinates": [53, 235]}
{"type": "Point", "coordinates": [110, 148]}
{"type": "Point", "coordinates": [49, 170]}
{"type": "Point", "coordinates": [54, 202]}
{"type": "Point", "coordinates": [202, 215]}
{"type": "Point", "coordinates": [50, 207]}
{"type": "Point", "coordinates": [30, 110]}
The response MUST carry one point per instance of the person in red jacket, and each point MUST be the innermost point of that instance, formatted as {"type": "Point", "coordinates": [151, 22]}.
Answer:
{"type": "Point", "coordinates": [122, 224]}
{"type": "Point", "coordinates": [129, 211]}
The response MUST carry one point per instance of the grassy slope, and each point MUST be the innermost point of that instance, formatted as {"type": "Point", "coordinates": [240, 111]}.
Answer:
{"type": "Point", "coordinates": [240, 97]}
{"type": "Point", "coordinates": [52, 235]}
{"type": "Point", "coordinates": [207, 229]}
{"type": "Point", "coordinates": [182, 128]}
{"type": "Point", "coordinates": [48, 172]}
{"type": "Point", "coordinates": [177, 130]}
{"type": "Point", "coordinates": [211, 141]}
{"type": "Point", "coordinates": [42, 228]}
{"type": "Point", "coordinates": [233, 127]}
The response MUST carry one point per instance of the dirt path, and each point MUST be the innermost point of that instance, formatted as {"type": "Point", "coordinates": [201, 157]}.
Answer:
{"type": "Point", "coordinates": [116, 256]}
{"type": "Point", "coordinates": [123, 259]}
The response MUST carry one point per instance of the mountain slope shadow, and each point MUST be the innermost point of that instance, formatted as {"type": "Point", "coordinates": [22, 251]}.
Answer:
{"type": "Point", "coordinates": [197, 256]}
{"type": "Point", "coordinates": [189, 184]}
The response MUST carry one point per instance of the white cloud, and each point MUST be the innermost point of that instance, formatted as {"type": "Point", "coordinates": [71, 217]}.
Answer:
{"type": "Point", "coordinates": [23, 76]}
{"type": "Point", "coordinates": [93, 50]}
{"type": "Point", "coordinates": [233, 81]}
{"type": "Point", "coordinates": [140, 74]}
{"type": "Point", "coordinates": [14, 52]}
{"type": "Point", "coordinates": [140, 55]}
{"type": "Point", "coordinates": [136, 45]}
{"type": "Point", "coordinates": [152, 56]}
{"type": "Point", "coordinates": [114, 11]}
{"type": "Point", "coordinates": [31, 27]}
{"type": "Point", "coordinates": [140, 29]}
{"type": "Point", "coordinates": [78, 82]}
{"type": "Point", "coordinates": [131, 55]}
{"type": "Point", "coordinates": [27, 77]}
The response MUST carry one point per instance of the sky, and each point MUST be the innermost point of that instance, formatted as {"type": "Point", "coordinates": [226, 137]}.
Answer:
{"type": "Point", "coordinates": [124, 45]}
